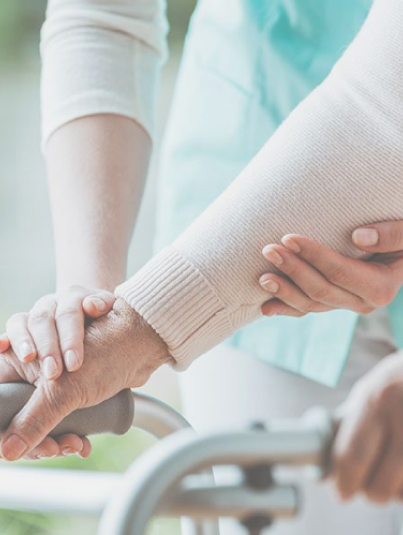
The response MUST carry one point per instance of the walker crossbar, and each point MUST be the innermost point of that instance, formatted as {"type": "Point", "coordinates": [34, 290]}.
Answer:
{"type": "Point", "coordinates": [173, 478]}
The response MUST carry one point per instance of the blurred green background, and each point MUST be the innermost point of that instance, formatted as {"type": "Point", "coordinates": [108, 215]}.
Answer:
{"type": "Point", "coordinates": [27, 265]}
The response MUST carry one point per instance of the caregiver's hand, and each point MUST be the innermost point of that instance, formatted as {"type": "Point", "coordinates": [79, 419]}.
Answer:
{"type": "Point", "coordinates": [121, 351]}
{"type": "Point", "coordinates": [318, 279]}
{"type": "Point", "coordinates": [53, 331]}
{"type": "Point", "coordinates": [368, 450]}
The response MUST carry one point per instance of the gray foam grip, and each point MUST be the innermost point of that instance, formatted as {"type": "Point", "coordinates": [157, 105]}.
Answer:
{"type": "Point", "coordinates": [114, 415]}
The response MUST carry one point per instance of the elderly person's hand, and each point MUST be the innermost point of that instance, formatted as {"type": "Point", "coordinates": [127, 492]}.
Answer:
{"type": "Point", "coordinates": [318, 279]}
{"type": "Point", "coordinates": [12, 371]}
{"type": "Point", "coordinates": [121, 351]}
{"type": "Point", "coordinates": [368, 450]}
{"type": "Point", "coordinates": [53, 331]}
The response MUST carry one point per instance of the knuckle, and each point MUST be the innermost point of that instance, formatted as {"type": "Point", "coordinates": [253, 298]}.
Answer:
{"type": "Point", "coordinates": [47, 301]}
{"type": "Point", "coordinates": [13, 321]}
{"type": "Point", "coordinates": [62, 400]}
{"type": "Point", "coordinates": [289, 268]}
{"type": "Point", "coordinates": [395, 238]}
{"type": "Point", "coordinates": [67, 313]}
{"type": "Point", "coordinates": [76, 289]}
{"type": "Point", "coordinates": [337, 275]}
{"type": "Point", "coordinates": [365, 309]}
{"type": "Point", "coordinates": [47, 348]}
{"type": "Point", "coordinates": [378, 494]}
{"type": "Point", "coordinates": [31, 424]}
{"type": "Point", "coordinates": [320, 295]}
{"type": "Point", "coordinates": [351, 456]}
{"type": "Point", "coordinates": [40, 316]}
{"type": "Point", "coordinates": [383, 294]}
{"type": "Point", "coordinates": [390, 395]}
{"type": "Point", "coordinates": [16, 322]}
{"type": "Point", "coordinates": [308, 307]}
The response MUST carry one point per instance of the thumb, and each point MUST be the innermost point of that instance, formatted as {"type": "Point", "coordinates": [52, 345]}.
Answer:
{"type": "Point", "coordinates": [34, 422]}
{"type": "Point", "coordinates": [98, 304]}
{"type": "Point", "coordinates": [386, 237]}
{"type": "Point", "coordinates": [4, 343]}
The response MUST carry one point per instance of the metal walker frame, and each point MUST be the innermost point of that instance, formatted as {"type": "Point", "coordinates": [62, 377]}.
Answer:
{"type": "Point", "coordinates": [174, 477]}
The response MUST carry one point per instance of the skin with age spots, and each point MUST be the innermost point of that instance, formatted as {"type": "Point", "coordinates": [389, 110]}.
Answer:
{"type": "Point", "coordinates": [120, 346]}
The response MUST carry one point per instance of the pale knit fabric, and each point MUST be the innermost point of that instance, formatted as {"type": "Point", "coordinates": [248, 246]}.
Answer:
{"type": "Point", "coordinates": [101, 56]}
{"type": "Point", "coordinates": [335, 163]}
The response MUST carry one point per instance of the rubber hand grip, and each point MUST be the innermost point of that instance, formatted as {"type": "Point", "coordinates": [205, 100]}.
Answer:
{"type": "Point", "coordinates": [114, 415]}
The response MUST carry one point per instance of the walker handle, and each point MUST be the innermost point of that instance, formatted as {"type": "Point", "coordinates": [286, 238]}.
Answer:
{"type": "Point", "coordinates": [114, 415]}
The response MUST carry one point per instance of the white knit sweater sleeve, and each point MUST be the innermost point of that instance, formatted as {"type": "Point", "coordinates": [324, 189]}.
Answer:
{"type": "Point", "coordinates": [335, 163]}
{"type": "Point", "coordinates": [101, 56]}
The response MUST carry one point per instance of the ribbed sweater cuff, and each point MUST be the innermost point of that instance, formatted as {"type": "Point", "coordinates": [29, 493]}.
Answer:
{"type": "Point", "coordinates": [180, 304]}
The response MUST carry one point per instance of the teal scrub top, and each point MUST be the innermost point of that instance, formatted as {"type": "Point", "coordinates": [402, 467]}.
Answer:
{"type": "Point", "coordinates": [246, 65]}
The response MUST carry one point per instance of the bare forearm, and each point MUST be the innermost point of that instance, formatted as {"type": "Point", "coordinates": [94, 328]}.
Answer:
{"type": "Point", "coordinates": [96, 168]}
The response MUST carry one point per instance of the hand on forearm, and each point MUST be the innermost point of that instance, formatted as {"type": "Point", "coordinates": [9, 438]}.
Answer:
{"type": "Point", "coordinates": [333, 165]}
{"type": "Point", "coordinates": [121, 351]}
{"type": "Point", "coordinates": [314, 278]}
{"type": "Point", "coordinates": [96, 168]}
{"type": "Point", "coordinates": [53, 330]}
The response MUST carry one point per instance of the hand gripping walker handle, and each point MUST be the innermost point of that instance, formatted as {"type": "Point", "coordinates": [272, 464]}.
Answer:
{"type": "Point", "coordinates": [114, 415]}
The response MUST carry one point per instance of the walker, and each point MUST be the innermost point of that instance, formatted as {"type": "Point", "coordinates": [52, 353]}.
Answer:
{"type": "Point", "coordinates": [173, 477]}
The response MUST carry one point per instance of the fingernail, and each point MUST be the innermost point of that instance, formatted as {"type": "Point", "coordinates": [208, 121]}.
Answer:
{"type": "Point", "coordinates": [71, 360]}
{"type": "Point", "coordinates": [68, 451]}
{"type": "Point", "coordinates": [290, 243]}
{"type": "Point", "coordinates": [26, 349]}
{"type": "Point", "coordinates": [270, 285]}
{"type": "Point", "coordinates": [272, 255]}
{"type": "Point", "coordinates": [365, 237]}
{"type": "Point", "coordinates": [14, 448]}
{"type": "Point", "coordinates": [49, 368]}
{"type": "Point", "coordinates": [98, 303]}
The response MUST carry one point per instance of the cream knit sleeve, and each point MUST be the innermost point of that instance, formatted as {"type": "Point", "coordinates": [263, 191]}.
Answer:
{"type": "Point", "coordinates": [101, 57]}
{"type": "Point", "coordinates": [334, 164]}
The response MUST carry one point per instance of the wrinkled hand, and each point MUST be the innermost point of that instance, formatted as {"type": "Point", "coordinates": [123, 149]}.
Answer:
{"type": "Point", "coordinates": [121, 351]}
{"type": "Point", "coordinates": [368, 450]}
{"type": "Point", "coordinates": [53, 331]}
{"type": "Point", "coordinates": [13, 371]}
{"type": "Point", "coordinates": [317, 279]}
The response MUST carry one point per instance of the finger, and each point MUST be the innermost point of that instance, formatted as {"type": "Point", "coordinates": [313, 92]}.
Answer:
{"type": "Point", "coordinates": [42, 326]}
{"type": "Point", "coordinates": [87, 448]}
{"type": "Point", "coordinates": [45, 409]}
{"type": "Point", "coordinates": [48, 448]}
{"type": "Point", "coordinates": [357, 445]}
{"type": "Point", "coordinates": [290, 294]}
{"type": "Point", "coordinates": [8, 372]}
{"type": "Point", "coordinates": [385, 237]}
{"type": "Point", "coordinates": [367, 280]}
{"type": "Point", "coordinates": [4, 343]}
{"type": "Point", "coordinates": [98, 304]}
{"type": "Point", "coordinates": [387, 478]}
{"type": "Point", "coordinates": [70, 324]}
{"type": "Point", "coordinates": [20, 338]}
{"type": "Point", "coordinates": [69, 444]}
{"type": "Point", "coordinates": [72, 446]}
{"type": "Point", "coordinates": [312, 283]}
{"type": "Point", "coordinates": [278, 308]}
